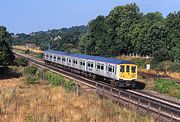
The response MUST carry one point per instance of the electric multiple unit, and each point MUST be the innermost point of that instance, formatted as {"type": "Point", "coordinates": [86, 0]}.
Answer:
{"type": "Point", "coordinates": [122, 72]}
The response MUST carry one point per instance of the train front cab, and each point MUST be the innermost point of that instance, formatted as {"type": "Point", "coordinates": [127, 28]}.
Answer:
{"type": "Point", "coordinates": [127, 75]}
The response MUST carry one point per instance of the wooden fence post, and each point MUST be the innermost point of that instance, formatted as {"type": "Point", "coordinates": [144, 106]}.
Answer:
{"type": "Point", "coordinates": [119, 94]}
{"type": "Point", "coordinates": [103, 91]}
{"type": "Point", "coordinates": [129, 100]}
{"type": "Point", "coordinates": [138, 103]}
{"type": "Point", "coordinates": [77, 89]}
{"type": "Point", "coordinates": [159, 114]}
{"type": "Point", "coordinates": [171, 117]}
{"type": "Point", "coordinates": [148, 106]}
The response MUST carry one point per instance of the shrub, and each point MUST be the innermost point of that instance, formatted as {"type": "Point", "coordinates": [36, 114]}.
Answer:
{"type": "Point", "coordinates": [54, 79]}
{"type": "Point", "coordinates": [39, 55]}
{"type": "Point", "coordinates": [27, 52]}
{"type": "Point", "coordinates": [69, 85]}
{"type": "Point", "coordinates": [141, 62]}
{"type": "Point", "coordinates": [166, 66]}
{"type": "Point", "coordinates": [21, 62]}
{"type": "Point", "coordinates": [31, 74]}
{"type": "Point", "coordinates": [168, 86]}
{"type": "Point", "coordinates": [175, 67]}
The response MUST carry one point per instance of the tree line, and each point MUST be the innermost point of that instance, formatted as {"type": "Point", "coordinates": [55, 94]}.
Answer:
{"type": "Point", "coordinates": [125, 30]}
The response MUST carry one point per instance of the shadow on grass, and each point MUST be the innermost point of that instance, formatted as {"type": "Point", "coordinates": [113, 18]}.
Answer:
{"type": "Point", "coordinates": [7, 73]}
{"type": "Point", "coordinates": [139, 85]}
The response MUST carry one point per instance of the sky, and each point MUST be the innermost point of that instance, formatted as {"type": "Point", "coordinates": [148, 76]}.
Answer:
{"type": "Point", "coordinates": [26, 16]}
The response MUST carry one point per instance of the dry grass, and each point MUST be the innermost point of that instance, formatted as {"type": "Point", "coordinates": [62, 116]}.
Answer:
{"type": "Point", "coordinates": [42, 102]}
{"type": "Point", "coordinates": [37, 51]}
{"type": "Point", "coordinates": [154, 72]}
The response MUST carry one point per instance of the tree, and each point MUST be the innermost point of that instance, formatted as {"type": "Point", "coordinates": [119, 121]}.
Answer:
{"type": "Point", "coordinates": [150, 34]}
{"type": "Point", "coordinates": [173, 36]}
{"type": "Point", "coordinates": [6, 55]}
{"type": "Point", "coordinates": [96, 39]}
{"type": "Point", "coordinates": [161, 55]}
{"type": "Point", "coordinates": [121, 21]}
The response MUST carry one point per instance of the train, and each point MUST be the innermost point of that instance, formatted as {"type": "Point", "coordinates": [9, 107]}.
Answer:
{"type": "Point", "coordinates": [119, 73]}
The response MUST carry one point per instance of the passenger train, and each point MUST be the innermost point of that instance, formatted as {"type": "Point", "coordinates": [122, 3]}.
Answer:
{"type": "Point", "coordinates": [120, 73]}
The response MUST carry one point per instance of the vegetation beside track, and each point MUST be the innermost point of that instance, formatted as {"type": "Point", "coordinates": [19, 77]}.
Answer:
{"type": "Point", "coordinates": [44, 102]}
{"type": "Point", "coordinates": [169, 87]}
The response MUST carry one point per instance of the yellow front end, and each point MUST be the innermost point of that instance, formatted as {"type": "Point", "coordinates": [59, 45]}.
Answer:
{"type": "Point", "coordinates": [128, 72]}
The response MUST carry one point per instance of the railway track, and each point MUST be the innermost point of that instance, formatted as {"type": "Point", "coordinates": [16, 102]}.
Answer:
{"type": "Point", "coordinates": [164, 110]}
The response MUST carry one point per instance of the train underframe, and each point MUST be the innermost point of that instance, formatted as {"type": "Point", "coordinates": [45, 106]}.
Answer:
{"type": "Point", "coordinates": [114, 83]}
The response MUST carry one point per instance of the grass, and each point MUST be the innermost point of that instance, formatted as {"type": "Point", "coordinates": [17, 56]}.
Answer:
{"type": "Point", "coordinates": [169, 87]}
{"type": "Point", "coordinates": [44, 102]}
{"type": "Point", "coordinates": [37, 51]}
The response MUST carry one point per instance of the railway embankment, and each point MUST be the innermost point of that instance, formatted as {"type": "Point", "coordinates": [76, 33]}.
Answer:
{"type": "Point", "coordinates": [44, 101]}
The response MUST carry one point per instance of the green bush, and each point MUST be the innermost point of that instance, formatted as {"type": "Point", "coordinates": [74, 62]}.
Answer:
{"type": "Point", "coordinates": [69, 85]}
{"type": "Point", "coordinates": [54, 79]}
{"type": "Point", "coordinates": [166, 66]}
{"type": "Point", "coordinates": [141, 62]}
{"type": "Point", "coordinates": [31, 74]}
{"type": "Point", "coordinates": [168, 86]}
{"type": "Point", "coordinates": [39, 55]}
{"type": "Point", "coordinates": [27, 52]}
{"type": "Point", "coordinates": [21, 62]}
{"type": "Point", "coordinates": [175, 67]}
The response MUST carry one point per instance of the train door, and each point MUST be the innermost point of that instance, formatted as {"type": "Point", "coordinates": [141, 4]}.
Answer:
{"type": "Point", "coordinates": [110, 70]}
{"type": "Point", "coordinates": [98, 67]}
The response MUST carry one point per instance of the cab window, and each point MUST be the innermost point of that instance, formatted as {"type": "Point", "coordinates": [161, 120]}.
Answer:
{"type": "Point", "coordinates": [122, 69]}
{"type": "Point", "coordinates": [127, 68]}
{"type": "Point", "coordinates": [133, 69]}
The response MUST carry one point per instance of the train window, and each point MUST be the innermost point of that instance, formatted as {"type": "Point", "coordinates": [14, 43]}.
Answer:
{"type": "Point", "coordinates": [102, 67]}
{"type": "Point", "coordinates": [50, 56]}
{"type": "Point", "coordinates": [63, 59]}
{"type": "Point", "coordinates": [83, 63]}
{"type": "Point", "coordinates": [122, 68]}
{"type": "Point", "coordinates": [113, 69]}
{"type": "Point", "coordinates": [91, 64]}
{"type": "Point", "coordinates": [54, 57]}
{"type": "Point", "coordinates": [69, 60]}
{"type": "Point", "coordinates": [47, 56]}
{"type": "Point", "coordinates": [74, 61]}
{"type": "Point", "coordinates": [127, 68]}
{"type": "Point", "coordinates": [133, 69]}
{"type": "Point", "coordinates": [98, 66]}
{"type": "Point", "coordinates": [110, 68]}
{"type": "Point", "coordinates": [59, 58]}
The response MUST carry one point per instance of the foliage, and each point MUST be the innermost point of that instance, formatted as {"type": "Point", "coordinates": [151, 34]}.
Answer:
{"type": "Point", "coordinates": [65, 39]}
{"type": "Point", "coordinates": [125, 30]}
{"type": "Point", "coordinates": [69, 85]}
{"type": "Point", "coordinates": [161, 55]}
{"type": "Point", "coordinates": [6, 55]}
{"type": "Point", "coordinates": [57, 80]}
{"type": "Point", "coordinates": [21, 62]}
{"type": "Point", "coordinates": [27, 52]}
{"type": "Point", "coordinates": [141, 62]}
{"type": "Point", "coordinates": [31, 74]}
{"type": "Point", "coordinates": [175, 67]}
{"type": "Point", "coordinates": [168, 86]}
{"type": "Point", "coordinates": [54, 79]}
{"type": "Point", "coordinates": [166, 66]}
{"type": "Point", "coordinates": [39, 55]}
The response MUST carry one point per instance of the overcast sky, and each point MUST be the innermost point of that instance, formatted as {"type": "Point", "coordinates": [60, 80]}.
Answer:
{"type": "Point", "coordinates": [36, 15]}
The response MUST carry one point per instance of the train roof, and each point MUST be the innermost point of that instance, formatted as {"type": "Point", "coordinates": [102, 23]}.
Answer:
{"type": "Point", "coordinates": [89, 57]}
